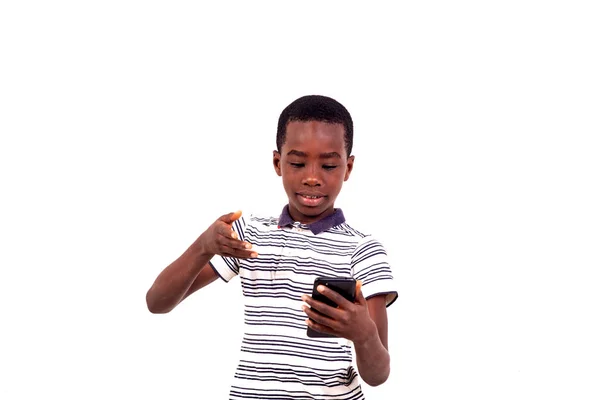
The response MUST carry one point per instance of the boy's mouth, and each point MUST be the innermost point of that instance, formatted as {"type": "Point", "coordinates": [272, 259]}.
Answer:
{"type": "Point", "coordinates": [311, 200]}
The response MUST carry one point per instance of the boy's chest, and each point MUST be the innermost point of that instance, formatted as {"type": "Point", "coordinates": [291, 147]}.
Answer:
{"type": "Point", "coordinates": [289, 261]}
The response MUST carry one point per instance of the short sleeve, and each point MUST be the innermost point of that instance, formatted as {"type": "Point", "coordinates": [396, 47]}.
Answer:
{"type": "Point", "coordinates": [370, 265]}
{"type": "Point", "coordinates": [228, 267]}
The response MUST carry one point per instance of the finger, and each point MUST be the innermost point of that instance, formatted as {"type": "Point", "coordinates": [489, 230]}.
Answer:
{"type": "Point", "coordinates": [230, 239]}
{"type": "Point", "coordinates": [227, 231]}
{"type": "Point", "coordinates": [320, 328]}
{"type": "Point", "coordinates": [231, 217]}
{"type": "Point", "coordinates": [318, 317]}
{"type": "Point", "coordinates": [234, 246]}
{"type": "Point", "coordinates": [358, 285]}
{"type": "Point", "coordinates": [230, 245]}
{"type": "Point", "coordinates": [321, 307]}
{"type": "Point", "coordinates": [360, 298]}
{"type": "Point", "coordinates": [331, 294]}
{"type": "Point", "coordinates": [236, 252]}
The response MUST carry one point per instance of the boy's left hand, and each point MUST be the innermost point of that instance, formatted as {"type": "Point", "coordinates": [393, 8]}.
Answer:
{"type": "Point", "coordinates": [349, 320]}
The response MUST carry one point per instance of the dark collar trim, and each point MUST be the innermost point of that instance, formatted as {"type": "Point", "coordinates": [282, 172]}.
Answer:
{"type": "Point", "coordinates": [335, 219]}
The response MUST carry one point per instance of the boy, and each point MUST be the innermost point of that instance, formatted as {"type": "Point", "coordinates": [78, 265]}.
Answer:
{"type": "Point", "coordinates": [278, 259]}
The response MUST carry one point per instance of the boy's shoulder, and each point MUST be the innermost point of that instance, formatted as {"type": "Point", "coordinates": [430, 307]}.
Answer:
{"type": "Point", "coordinates": [352, 225]}
{"type": "Point", "coordinates": [360, 234]}
{"type": "Point", "coordinates": [364, 230]}
{"type": "Point", "coordinates": [353, 229]}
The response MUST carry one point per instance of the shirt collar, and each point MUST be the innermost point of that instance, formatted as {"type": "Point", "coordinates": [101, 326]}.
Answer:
{"type": "Point", "coordinates": [335, 219]}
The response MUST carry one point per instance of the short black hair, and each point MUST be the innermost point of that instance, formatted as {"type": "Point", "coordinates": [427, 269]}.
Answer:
{"type": "Point", "coordinates": [316, 108]}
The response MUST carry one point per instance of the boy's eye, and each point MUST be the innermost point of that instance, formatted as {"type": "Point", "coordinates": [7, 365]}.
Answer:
{"type": "Point", "coordinates": [329, 167]}
{"type": "Point", "coordinates": [297, 165]}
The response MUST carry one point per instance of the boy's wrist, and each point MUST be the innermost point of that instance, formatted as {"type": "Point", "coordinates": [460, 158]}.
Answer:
{"type": "Point", "coordinates": [368, 337]}
{"type": "Point", "coordinates": [200, 250]}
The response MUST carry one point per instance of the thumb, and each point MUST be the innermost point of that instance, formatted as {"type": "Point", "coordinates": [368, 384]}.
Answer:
{"type": "Point", "coordinates": [360, 298]}
{"type": "Point", "coordinates": [231, 217]}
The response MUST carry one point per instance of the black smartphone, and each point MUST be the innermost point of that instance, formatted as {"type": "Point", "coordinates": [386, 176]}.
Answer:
{"type": "Point", "coordinates": [344, 286]}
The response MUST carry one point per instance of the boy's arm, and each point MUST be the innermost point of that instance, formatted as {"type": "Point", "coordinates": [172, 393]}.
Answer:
{"type": "Point", "coordinates": [370, 264]}
{"type": "Point", "coordinates": [184, 276]}
{"type": "Point", "coordinates": [372, 357]}
{"type": "Point", "coordinates": [191, 271]}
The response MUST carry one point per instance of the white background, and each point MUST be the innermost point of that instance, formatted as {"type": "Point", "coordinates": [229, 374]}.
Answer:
{"type": "Point", "coordinates": [128, 127]}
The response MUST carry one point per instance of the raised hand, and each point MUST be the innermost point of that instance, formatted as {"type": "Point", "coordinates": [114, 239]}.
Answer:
{"type": "Point", "coordinates": [220, 239]}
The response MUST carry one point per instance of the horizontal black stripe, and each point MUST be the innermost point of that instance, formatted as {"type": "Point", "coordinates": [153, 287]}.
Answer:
{"type": "Point", "coordinates": [295, 354]}
{"type": "Point", "coordinates": [254, 376]}
{"type": "Point", "coordinates": [298, 267]}
{"type": "Point", "coordinates": [287, 370]}
{"type": "Point", "coordinates": [295, 345]}
{"type": "Point", "coordinates": [273, 314]}
{"type": "Point", "coordinates": [276, 285]}
{"type": "Point", "coordinates": [371, 254]}
{"type": "Point", "coordinates": [277, 394]}
{"type": "Point", "coordinates": [326, 344]}
{"type": "Point", "coordinates": [273, 323]}
{"type": "Point", "coordinates": [370, 279]}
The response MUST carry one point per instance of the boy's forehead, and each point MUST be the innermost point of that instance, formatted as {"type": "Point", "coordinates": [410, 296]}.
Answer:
{"type": "Point", "coordinates": [314, 132]}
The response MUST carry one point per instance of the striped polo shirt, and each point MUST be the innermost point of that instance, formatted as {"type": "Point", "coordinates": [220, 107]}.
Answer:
{"type": "Point", "coordinates": [278, 359]}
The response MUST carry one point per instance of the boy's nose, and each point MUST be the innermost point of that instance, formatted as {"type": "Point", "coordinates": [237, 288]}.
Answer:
{"type": "Point", "coordinates": [311, 180]}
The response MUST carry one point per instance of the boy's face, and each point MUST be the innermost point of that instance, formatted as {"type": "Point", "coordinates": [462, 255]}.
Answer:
{"type": "Point", "coordinates": [313, 165]}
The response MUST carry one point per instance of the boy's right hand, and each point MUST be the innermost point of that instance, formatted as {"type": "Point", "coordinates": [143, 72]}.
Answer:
{"type": "Point", "coordinates": [220, 239]}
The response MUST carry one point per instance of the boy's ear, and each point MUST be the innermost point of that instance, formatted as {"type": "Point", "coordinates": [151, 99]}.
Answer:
{"type": "Point", "coordinates": [277, 162]}
{"type": "Point", "coordinates": [349, 166]}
